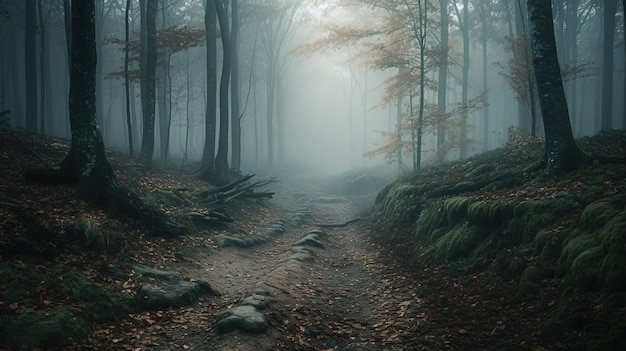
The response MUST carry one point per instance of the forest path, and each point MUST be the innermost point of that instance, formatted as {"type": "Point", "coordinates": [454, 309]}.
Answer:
{"type": "Point", "coordinates": [352, 295]}
{"type": "Point", "coordinates": [346, 298]}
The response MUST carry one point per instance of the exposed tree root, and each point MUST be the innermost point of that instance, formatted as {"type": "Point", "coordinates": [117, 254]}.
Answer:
{"type": "Point", "coordinates": [339, 225]}
{"type": "Point", "coordinates": [30, 149]}
{"type": "Point", "coordinates": [114, 196]}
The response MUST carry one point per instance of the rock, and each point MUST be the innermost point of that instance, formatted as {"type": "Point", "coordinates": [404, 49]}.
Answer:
{"type": "Point", "coordinates": [301, 254]}
{"type": "Point", "coordinates": [312, 239]}
{"type": "Point", "coordinates": [260, 302]}
{"type": "Point", "coordinates": [260, 291]}
{"type": "Point", "coordinates": [162, 289]}
{"type": "Point", "coordinates": [245, 318]}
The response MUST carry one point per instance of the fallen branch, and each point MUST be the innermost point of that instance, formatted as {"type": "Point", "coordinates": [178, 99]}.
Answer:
{"type": "Point", "coordinates": [224, 188]}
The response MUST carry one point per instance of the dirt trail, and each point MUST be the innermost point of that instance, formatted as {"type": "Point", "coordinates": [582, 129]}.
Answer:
{"type": "Point", "coordinates": [342, 300]}
{"type": "Point", "coordinates": [353, 295]}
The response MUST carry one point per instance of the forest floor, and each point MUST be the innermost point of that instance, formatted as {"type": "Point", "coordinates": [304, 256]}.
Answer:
{"type": "Point", "coordinates": [355, 293]}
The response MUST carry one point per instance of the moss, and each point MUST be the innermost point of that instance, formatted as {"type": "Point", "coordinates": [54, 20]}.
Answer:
{"type": "Point", "coordinates": [168, 198]}
{"type": "Point", "coordinates": [549, 244]}
{"type": "Point", "coordinates": [401, 205]}
{"type": "Point", "coordinates": [530, 280]}
{"type": "Point", "coordinates": [577, 244]}
{"type": "Point", "coordinates": [613, 235]}
{"type": "Point", "coordinates": [456, 209]}
{"type": "Point", "coordinates": [613, 275]}
{"type": "Point", "coordinates": [16, 280]}
{"type": "Point", "coordinates": [45, 329]}
{"type": "Point", "coordinates": [88, 233]}
{"type": "Point", "coordinates": [585, 268]}
{"type": "Point", "coordinates": [429, 221]}
{"type": "Point", "coordinates": [596, 214]}
{"type": "Point", "coordinates": [461, 187]}
{"type": "Point", "coordinates": [459, 242]}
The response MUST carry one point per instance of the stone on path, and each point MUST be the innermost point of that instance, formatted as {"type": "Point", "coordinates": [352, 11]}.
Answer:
{"type": "Point", "coordinates": [245, 318]}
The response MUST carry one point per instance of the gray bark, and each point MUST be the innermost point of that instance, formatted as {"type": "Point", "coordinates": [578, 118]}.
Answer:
{"type": "Point", "coordinates": [443, 71]}
{"type": "Point", "coordinates": [610, 8]}
{"type": "Point", "coordinates": [30, 64]}
{"type": "Point", "coordinates": [210, 25]}
{"type": "Point", "coordinates": [234, 87]}
{"type": "Point", "coordinates": [561, 152]}
{"type": "Point", "coordinates": [221, 159]}
{"type": "Point", "coordinates": [147, 143]}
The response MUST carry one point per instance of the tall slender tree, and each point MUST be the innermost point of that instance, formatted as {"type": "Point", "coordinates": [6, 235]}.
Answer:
{"type": "Point", "coordinates": [30, 64]}
{"type": "Point", "coordinates": [147, 142]}
{"type": "Point", "coordinates": [220, 174]}
{"type": "Point", "coordinates": [463, 17]}
{"type": "Point", "coordinates": [234, 87]}
{"type": "Point", "coordinates": [610, 8]}
{"type": "Point", "coordinates": [443, 71]}
{"type": "Point", "coordinates": [129, 125]}
{"type": "Point", "coordinates": [42, 68]}
{"type": "Point", "coordinates": [208, 154]}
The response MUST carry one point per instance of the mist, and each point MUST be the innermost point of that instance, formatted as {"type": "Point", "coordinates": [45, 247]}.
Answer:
{"type": "Point", "coordinates": [314, 70]}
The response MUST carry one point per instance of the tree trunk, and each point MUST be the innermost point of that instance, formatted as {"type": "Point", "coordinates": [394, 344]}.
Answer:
{"type": "Point", "coordinates": [67, 15]}
{"type": "Point", "coordinates": [221, 159]}
{"type": "Point", "coordinates": [208, 154]}
{"type": "Point", "coordinates": [423, 16]}
{"type": "Point", "coordinates": [234, 88]}
{"type": "Point", "coordinates": [30, 64]}
{"type": "Point", "coordinates": [127, 80]}
{"type": "Point", "coordinates": [610, 7]}
{"type": "Point", "coordinates": [465, 83]}
{"type": "Point", "coordinates": [42, 69]}
{"type": "Point", "coordinates": [561, 152]}
{"type": "Point", "coordinates": [147, 142]}
{"type": "Point", "coordinates": [163, 91]}
{"type": "Point", "coordinates": [398, 130]}
{"type": "Point", "coordinates": [86, 161]}
{"type": "Point", "coordinates": [100, 17]}
{"type": "Point", "coordinates": [443, 72]}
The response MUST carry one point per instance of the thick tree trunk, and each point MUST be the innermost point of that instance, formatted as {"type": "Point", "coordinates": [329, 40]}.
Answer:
{"type": "Point", "coordinates": [208, 155]}
{"type": "Point", "coordinates": [86, 161]}
{"type": "Point", "coordinates": [147, 143]}
{"type": "Point", "coordinates": [561, 152]}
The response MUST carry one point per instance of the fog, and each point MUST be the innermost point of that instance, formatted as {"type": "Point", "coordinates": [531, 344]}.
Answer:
{"type": "Point", "coordinates": [331, 104]}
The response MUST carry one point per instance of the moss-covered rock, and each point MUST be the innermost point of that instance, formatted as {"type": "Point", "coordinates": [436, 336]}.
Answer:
{"type": "Point", "coordinates": [44, 329]}
{"type": "Point", "coordinates": [162, 289]}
